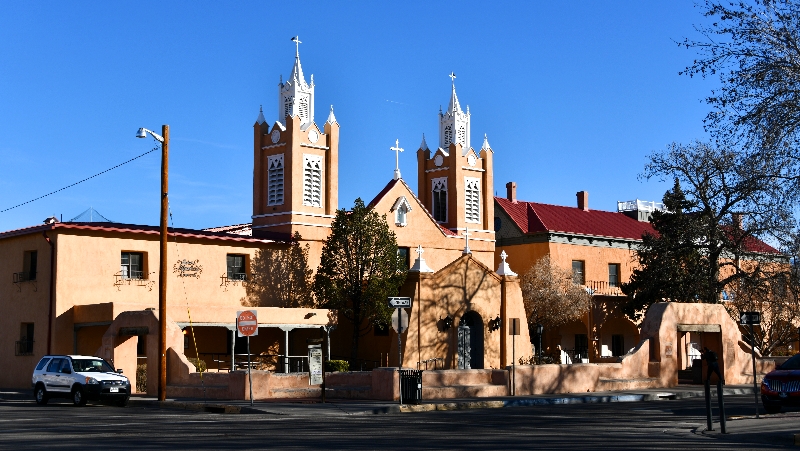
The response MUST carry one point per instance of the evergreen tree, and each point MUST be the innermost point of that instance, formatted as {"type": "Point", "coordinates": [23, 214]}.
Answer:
{"type": "Point", "coordinates": [671, 264]}
{"type": "Point", "coordinates": [359, 269]}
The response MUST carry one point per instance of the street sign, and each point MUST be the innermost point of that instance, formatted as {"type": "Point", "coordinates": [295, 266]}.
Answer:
{"type": "Point", "coordinates": [513, 326]}
{"type": "Point", "coordinates": [750, 318]}
{"type": "Point", "coordinates": [247, 323]}
{"type": "Point", "coordinates": [400, 321]}
{"type": "Point", "coordinates": [400, 302]}
{"type": "Point", "coordinates": [314, 364]}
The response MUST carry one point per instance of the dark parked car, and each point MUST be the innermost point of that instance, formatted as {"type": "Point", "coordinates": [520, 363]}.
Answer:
{"type": "Point", "coordinates": [782, 386]}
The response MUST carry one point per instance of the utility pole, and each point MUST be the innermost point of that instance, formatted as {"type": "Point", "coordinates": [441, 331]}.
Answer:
{"type": "Point", "coordinates": [162, 271]}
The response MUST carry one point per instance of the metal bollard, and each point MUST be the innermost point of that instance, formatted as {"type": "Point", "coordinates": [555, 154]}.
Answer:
{"type": "Point", "coordinates": [708, 406]}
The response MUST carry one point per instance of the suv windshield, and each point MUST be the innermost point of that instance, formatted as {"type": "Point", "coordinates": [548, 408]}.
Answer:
{"type": "Point", "coordinates": [91, 366]}
{"type": "Point", "coordinates": [791, 364]}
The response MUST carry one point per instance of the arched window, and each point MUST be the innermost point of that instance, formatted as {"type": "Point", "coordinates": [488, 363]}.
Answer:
{"type": "Point", "coordinates": [440, 199]}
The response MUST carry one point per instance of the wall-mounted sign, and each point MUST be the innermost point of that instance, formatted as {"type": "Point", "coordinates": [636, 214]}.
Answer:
{"type": "Point", "coordinates": [188, 268]}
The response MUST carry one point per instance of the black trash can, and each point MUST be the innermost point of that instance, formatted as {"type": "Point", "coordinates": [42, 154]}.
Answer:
{"type": "Point", "coordinates": [411, 386]}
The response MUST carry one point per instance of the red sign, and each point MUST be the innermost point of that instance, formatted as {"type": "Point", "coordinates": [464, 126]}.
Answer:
{"type": "Point", "coordinates": [247, 323]}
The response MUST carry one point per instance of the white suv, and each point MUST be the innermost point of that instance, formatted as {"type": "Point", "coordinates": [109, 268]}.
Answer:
{"type": "Point", "coordinates": [79, 378]}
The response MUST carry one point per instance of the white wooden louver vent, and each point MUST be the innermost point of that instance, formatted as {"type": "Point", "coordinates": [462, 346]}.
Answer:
{"type": "Point", "coordinates": [472, 201]}
{"type": "Point", "coordinates": [312, 180]}
{"type": "Point", "coordinates": [275, 180]}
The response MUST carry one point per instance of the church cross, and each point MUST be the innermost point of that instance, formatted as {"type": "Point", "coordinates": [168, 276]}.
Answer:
{"type": "Point", "coordinates": [420, 250]}
{"type": "Point", "coordinates": [297, 43]}
{"type": "Point", "coordinates": [466, 241]}
{"type": "Point", "coordinates": [452, 77]}
{"type": "Point", "coordinates": [396, 149]}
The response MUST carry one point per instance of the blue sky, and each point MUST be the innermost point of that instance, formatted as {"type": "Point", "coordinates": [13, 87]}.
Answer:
{"type": "Point", "coordinates": [573, 96]}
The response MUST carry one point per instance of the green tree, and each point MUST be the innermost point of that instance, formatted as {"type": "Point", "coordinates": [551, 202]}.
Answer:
{"type": "Point", "coordinates": [280, 277]}
{"type": "Point", "coordinates": [671, 265]}
{"type": "Point", "coordinates": [359, 269]}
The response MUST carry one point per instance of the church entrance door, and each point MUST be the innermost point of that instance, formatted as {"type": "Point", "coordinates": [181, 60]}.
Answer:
{"type": "Point", "coordinates": [470, 341]}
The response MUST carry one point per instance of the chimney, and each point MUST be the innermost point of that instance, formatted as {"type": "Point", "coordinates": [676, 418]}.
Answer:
{"type": "Point", "coordinates": [583, 200]}
{"type": "Point", "coordinates": [511, 190]}
{"type": "Point", "coordinates": [737, 220]}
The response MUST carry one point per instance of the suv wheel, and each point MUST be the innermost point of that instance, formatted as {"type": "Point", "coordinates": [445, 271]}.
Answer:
{"type": "Point", "coordinates": [78, 397]}
{"type": "Point", "coordinates": [41, 395]}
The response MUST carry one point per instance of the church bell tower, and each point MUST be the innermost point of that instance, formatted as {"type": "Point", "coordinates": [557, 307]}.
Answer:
{"type": "Point", "coordinates": [295, 164]}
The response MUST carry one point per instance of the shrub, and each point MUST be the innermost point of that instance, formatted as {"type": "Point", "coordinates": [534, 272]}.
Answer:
{"type": "Point", "coordinates": [199, 364]}
{"type": "Point", "coordinates": [337, 365]}
{"type": "Point", "coordinates": [141, 378]}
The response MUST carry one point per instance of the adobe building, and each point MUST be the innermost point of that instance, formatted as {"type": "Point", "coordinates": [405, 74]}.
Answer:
{"type": "Point", "coordinates": [88, 287]}
{"type": "Point", "coordinates": [74, 283]}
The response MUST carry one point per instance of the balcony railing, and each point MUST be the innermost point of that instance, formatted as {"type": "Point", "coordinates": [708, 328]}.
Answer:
{"type": "Point", "coordinates": [602, 288]}
{"type": "Point", "coordinates": [138, 278]}
{"type": "Point", "coordinates": [23, 347]}
{"type": "Point", "coordinates": [24, 276]}
{"type": "Point", "coordinates": [233, 278]}
{"type": "Point", "coordinates": [19, 277]}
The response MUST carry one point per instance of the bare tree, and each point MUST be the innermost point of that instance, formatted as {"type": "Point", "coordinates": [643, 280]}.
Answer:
{"type": "Point", "coordinates": [754, 48]}
{"type": "Point", "coordinates": [550, 296]}
{"type": "Point", "coordinates": [280, 278]}
{"type": "Point", "coordinates": [775, 295]}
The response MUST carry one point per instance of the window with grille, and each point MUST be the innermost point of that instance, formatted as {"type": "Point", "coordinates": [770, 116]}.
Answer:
{"type": "Point", "coordinates": [302, 106]}
{"type": "Point", "coordinates": [461, 136]}
{"type": "Point", "coordinates": [613, 275]}
{"type": "Point", "coordinates": [275, 180]}
{"type": "Point", "coordinates": [578, 271]}
{"type": "Point", "coordinates": [237, 266]}
{"type": "Point", "coordinates": [472, 204]}
{"type": "Point", "coordinates": [448, 135]}
{"type": "Point", "coordinates": [29, 263]}
{"type": "Point", "coordinates": [312, 180]}
{"type": "Point", "coordinates": [440, 199]}
{"type": "Point", "coordinates": [287, 106]}
{"type": "Point", "coordinates": [132, 265]}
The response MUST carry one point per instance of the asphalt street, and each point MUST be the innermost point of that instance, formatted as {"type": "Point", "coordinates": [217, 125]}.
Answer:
{"type": "Point", "coordinates": [676, 424]}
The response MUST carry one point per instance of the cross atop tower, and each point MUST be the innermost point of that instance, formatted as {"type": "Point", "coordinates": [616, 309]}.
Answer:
{"type": "Point", "coordinates": [420, 250]}
{"type": "Point", "coordinates": [452, 77]}
{"type": "Point", "coordinates": [297, 43]}
{"type": "Point", "coordinates": [397, 149]}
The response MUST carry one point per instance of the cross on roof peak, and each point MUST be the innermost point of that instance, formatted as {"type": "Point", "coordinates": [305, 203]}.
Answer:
{"type": "Point", "coordinates": [453, 77]}
{"type": "Point", "coordinates": [397, 149]}
{"type": "Point", "coordinates": [466, 241]}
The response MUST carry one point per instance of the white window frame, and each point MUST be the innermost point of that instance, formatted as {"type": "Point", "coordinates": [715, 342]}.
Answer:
{"type": "Point", "coordinates": [275, 180]}
{"type": "Point", "coordinates": [312, 180]}
{"type": "Point", "coordinates": [401, 208]}
{"type": "Point", "coordinates": [472, 200]}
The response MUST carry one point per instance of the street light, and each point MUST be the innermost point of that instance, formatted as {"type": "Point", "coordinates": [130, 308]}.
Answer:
{"type": "Point", "coordinates": [539, 331]}
{"type": "Point", "coordinates": [163, 138]}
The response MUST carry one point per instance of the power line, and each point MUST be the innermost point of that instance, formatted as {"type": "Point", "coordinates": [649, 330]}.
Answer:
{"type": "Point", "coordinates": [77, 183]}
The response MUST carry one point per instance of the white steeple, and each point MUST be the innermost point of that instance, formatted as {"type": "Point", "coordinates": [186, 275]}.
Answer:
{"type": "Point", "coordinates": [504, 269]}
{"type": "Point", "coordinates": [296, 97]}
{"type": "Point", "coordinates": [454, 123]}
{"type": "Point", "coordinates": [331, 117]}
{"type": "Point", "coordinates": [260, 120]}
{"type": "Point", "coordinates": [423, 145]}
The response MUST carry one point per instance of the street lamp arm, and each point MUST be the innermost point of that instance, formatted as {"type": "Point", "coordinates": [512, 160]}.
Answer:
{"type": "Point", "coordinates": [141, 134]}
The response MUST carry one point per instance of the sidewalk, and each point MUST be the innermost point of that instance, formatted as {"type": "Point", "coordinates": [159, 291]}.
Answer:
{"type": "Point", "coordinates": [364, 407]}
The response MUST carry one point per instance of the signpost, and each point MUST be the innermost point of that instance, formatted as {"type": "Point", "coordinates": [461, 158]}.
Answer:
{"type": "Point", "coordinates": [752, 319]}
{"type": "Point", "coordinates": [315, 364]}
{"type": "Point", "coordinates": [400, 324]}
{"type": "Point", "coordinates": [247, 326]}
{"type": "Point", "coordinates": [400, 302]}
{"type": "Point", "coordinates": [513, 330]}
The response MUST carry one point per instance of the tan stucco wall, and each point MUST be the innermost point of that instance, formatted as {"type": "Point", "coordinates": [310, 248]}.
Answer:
{"type": "Point", "coordinates": [26, 302]}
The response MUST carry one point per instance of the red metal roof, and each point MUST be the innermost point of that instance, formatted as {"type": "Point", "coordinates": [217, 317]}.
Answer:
{"type": "Point", "coordinates": [533, 217]}
{"type": "Point", "coordinates": [130, 228]}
